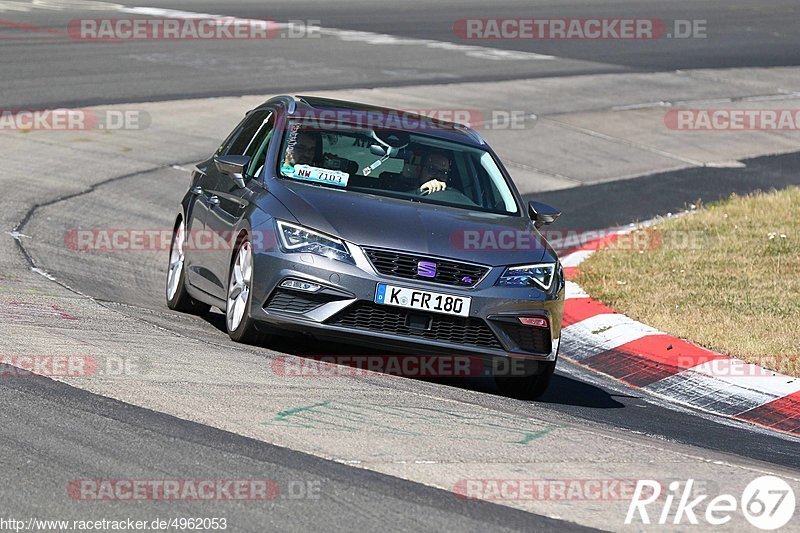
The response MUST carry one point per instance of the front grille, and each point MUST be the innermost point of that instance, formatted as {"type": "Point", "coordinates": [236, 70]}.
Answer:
{"type": "Point", "coordinates": [404, 265]}
{"type": "Point", "coordinates": [288, 301]}
{"type": "Point", "coordinates": [529, 339]}
{"type": "Point", "coordinates": [385, 319]}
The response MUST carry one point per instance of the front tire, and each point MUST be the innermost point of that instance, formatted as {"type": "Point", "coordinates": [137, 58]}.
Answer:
{"type": "Point", "coordinates": [241, 327]}
{"type": "Point", "coordinates": [178, 298]}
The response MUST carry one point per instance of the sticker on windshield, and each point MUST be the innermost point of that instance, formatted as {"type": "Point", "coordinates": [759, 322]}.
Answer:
{"type": "Point", "coordinates": [317, 175]}
{"type": "Point", "coordinates": [368, 170]}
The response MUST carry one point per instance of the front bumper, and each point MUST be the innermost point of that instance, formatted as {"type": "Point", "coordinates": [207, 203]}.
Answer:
{"type": "Point", "coordinates": [343, 310]}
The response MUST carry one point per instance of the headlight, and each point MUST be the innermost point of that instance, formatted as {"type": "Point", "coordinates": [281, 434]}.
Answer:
{"type": "Point", "coordinates": [294, 238]}
{"type": "Point", "coordinates": [529, 275]}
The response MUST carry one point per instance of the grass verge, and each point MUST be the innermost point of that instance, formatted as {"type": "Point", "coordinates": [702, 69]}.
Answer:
{"type": "Point", "coordinates": [725, 276]}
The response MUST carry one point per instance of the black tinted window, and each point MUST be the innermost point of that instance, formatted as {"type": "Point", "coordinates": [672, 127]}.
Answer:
{"type": "Point", "coordinates": [247, 130]}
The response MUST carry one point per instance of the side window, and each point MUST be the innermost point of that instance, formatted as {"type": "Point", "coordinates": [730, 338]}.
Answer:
{"type": "Point", "coordinates": [257, 149]}
{"type": "Point", "coordinates": [223, 148]}
{"type": "Point", "coordinates": [242, 136]}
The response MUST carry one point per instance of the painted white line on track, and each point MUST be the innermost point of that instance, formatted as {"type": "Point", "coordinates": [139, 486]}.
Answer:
{"type": "Point", "coordinates": [573, 290]}
{"type": "Point", "coordinates": [576, 258]}
{"type": "Point", "coordinates": [372, 38]}
{"type": "Point", "coordinates": [44, 274]}
{"type": "Point", "coordinates": [621, 140]}
{"type": "Point", "coordinates": [480, 52]}
{"type": "Point", "coordinates": [710, 393]}
{"type": "Point", "coordinates": [749, 376]}
{"type": "Point", "coordinates": [601, 333]}
{"type": "Point", "coordinates": [17, 235]}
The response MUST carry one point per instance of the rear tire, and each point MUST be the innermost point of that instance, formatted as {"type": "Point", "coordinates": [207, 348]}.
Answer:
{"type": "Point", "coordinates": [530, 387]}
{"type": "Point", "coordinates": [178, 298]}
{"type": "Point", "coordinates": [241, 327]}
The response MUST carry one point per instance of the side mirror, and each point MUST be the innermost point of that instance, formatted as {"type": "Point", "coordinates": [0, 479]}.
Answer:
{"type": "Point", "coordinates": [233, 166]}
{"type": "Point", "coordinates": [542, 214]}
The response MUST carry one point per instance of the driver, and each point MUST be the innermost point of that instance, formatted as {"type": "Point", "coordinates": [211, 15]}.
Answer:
{"type": "Point", "coordinates": [434, 173]}
{"type": "Point", "coordinates": [306, 150]}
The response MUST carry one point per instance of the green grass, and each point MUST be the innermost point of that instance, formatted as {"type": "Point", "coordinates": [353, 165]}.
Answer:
{"type": "Point", "coordinates": [725, 276]}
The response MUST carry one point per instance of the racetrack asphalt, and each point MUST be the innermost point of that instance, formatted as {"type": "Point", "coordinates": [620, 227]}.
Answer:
{"type": "Point", "coordinates": [46, 69]}
{"type": "Point", "coordinates": [54, 432]}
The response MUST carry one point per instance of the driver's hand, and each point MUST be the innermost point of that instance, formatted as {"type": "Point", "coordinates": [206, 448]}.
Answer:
{"type": "Point", "coordinates": [432, 186]}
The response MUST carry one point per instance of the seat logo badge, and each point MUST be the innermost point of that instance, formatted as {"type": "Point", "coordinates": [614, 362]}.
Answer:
{"type": "Point", "coordinates": [426, 269]}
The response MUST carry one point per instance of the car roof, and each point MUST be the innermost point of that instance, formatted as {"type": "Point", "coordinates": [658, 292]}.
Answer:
{"type": "Point", "coordinates": [452, 131]}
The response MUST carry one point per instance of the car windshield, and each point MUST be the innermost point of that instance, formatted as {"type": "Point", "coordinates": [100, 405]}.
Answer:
{"type": "Point", "coordinates": [394, 163]}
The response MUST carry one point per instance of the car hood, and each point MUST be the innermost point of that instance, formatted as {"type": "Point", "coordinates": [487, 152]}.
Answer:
{"type": "Point", "coordinates": [404, 225]}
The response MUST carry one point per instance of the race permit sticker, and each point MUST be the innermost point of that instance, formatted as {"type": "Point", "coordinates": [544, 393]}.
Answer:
{"type": "Point", "coordinates": [317, 175]}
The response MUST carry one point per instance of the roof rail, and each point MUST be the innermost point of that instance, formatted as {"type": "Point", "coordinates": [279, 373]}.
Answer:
{"type": "Point", "coordinates": [469, 131]}
{"type": "Point", "coordinates": [284, 99]}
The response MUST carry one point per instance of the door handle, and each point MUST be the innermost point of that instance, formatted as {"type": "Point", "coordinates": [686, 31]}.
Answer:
{"type": "Point", "coordinates": [197, 191]}
{"type": "Point", "coordinates": [213, 201]}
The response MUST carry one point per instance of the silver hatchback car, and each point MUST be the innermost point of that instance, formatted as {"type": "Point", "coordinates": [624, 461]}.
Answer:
{"type": "Point", "coordinates": [370, 226]}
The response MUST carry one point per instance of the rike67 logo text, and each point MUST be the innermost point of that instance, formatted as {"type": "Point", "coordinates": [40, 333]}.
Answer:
{"type": "Point", "coordinates": [767, 502]}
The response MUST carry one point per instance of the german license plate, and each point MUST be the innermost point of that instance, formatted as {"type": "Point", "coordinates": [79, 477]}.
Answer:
{"type": "Point", "coordinates": [420, 300]}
